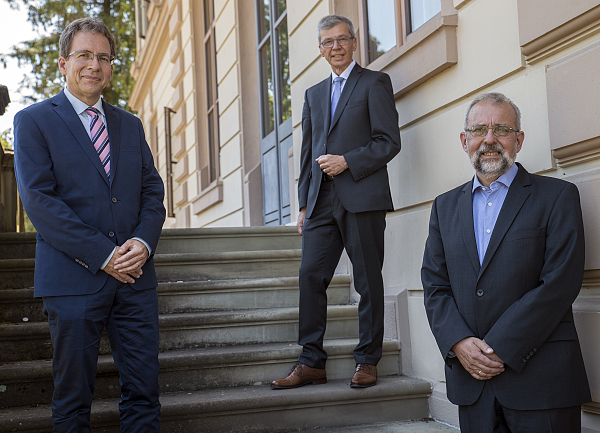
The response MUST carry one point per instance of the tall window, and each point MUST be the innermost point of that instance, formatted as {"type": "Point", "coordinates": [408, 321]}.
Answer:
{"type": "Point", "coordinates": [422, 11]}
{"type": "Point", "coordinates": [212, 101]}
{"type": "Point", "coordinates": [273, 37]}
{"type": "Point", "coordinates": [275, 108]}
{"type": "Point", "coordinates": [388, 22]}
{"type": "Point", "coordinates": [381, 21]}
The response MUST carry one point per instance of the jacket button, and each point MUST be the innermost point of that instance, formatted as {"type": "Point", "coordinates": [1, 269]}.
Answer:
{"type": "Point", "coordinates": [479, 292]}
{"type": "Point", "coordinates": [114, 199]}
{"type": "Point", "coordinates": [111, 234]}
{"type": "Point", "coordinates": [524, 360]}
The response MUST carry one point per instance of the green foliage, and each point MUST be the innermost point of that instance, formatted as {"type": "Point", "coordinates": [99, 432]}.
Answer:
{"type": "Point", "coordinates": [6, 138]}
{"type": "Point", "coordinates": [28, 226]}
{"type": "Point", "coordinates": [50, 17]}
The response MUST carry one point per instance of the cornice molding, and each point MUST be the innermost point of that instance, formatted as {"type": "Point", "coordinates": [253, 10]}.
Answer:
{"type": "Point", "coordinates": [565, 34]}
{"type": "Point", "coordinates": [150, 57]}
{"type": "Point", "coordinates": [429, 50]}
{"type": "Point", "coordinates": [578, 152]}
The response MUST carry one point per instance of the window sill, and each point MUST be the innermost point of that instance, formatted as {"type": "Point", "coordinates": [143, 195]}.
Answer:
{"type": "Point", "coordinates": [212, 195]}
{"type": "Point", "coordinates": [429, 50]}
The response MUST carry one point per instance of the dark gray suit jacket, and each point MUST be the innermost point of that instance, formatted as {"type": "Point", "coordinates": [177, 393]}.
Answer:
{"type": "Point", "coordinates": [519, 300]}
{"type": "Point", "coordinates": [364, 130]}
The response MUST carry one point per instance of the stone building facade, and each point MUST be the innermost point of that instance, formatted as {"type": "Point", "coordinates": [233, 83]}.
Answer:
{"type": "Point", "coordinates": [220, 85]}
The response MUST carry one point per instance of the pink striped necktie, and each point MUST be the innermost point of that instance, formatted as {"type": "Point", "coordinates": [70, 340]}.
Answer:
{"type": "Point", "coordinates": [99, 136]}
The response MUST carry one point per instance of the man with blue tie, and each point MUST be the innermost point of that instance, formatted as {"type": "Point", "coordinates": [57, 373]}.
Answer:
{"type": "Point", "coordinates": [349, 134]}
{"type": "Point", "coordinates": [88, 183]}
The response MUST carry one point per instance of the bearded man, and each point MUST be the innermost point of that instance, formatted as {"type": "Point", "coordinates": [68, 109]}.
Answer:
{"type": "Point", "coordinates": [503, 263]}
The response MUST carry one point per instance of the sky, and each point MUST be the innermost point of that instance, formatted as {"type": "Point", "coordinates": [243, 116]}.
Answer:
{"type": "Point", "coordinates": [14, 29]}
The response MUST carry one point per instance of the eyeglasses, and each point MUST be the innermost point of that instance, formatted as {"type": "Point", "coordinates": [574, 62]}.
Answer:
{"type": "Point", "coordinates": [85, 56]}
{"type": "Point", "coordinates": [497, 130]}
{"type": "Point", "coordinates": [329, 43]}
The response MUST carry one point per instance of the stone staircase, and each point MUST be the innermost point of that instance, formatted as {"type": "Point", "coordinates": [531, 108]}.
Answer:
{"type": "Point", "coordinates": [228, 326]}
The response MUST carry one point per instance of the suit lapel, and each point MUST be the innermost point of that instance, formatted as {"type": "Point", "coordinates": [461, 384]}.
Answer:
{"type": "Point", "coordinates": [515, 198]}
{"type": "Point", "coordinates": [345, 96]}
{"type": "Point", "coordinates": [465, 213]}
{"type": "Point", "coordinates": [325, 89]}
{"type": "Point", "coordinates": [114, 136]}
{"type": "Point", "coordinates": [65, 110]}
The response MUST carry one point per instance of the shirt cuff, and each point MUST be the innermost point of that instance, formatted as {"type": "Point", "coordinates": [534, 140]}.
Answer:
{"type": "Point", "coordinates": [145, 244]}
{"type": "Point", "coordinates": [108, 259]}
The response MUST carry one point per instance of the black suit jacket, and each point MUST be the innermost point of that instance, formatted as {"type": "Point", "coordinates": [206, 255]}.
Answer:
{"type": "Point", "coordinates": [364, 130]}
{"type": "Point", "coordinates": [519, 299]}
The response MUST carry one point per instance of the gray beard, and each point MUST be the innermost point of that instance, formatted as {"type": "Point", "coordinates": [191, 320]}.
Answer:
{"type": "Point", "coordinates": [492, 168]}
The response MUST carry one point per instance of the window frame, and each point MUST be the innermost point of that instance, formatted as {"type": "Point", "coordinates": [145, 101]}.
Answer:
{"type": "Point", "coordinates": [407, 66]}
{"type": "Point", "coordinates": [400, 8]}
{"type": "Point", "coordinates": [212, 133]}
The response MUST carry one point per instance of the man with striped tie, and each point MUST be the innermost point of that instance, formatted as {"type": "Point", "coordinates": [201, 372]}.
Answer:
{"type": "Point", "coordinates": [88, 183]}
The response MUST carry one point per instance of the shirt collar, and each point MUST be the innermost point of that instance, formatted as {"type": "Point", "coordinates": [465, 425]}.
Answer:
{"type": "Point", "coordinates": [506, 179]}
{"type": "Point", "coordinates": [81, 106]}
{"type": "Point", "coordinates": [344, 74]}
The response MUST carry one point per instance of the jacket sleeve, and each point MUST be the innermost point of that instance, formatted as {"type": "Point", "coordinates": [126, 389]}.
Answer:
{"type": "Point", "coordinates": [385, 133]}
{"type": "Point", "coordinates": [152, 209]}
{"type": "Point", "coordinates": [53, 219]}
{"type": "Point", "coordinates": [446, 322]}
{"type": "Point", "coordinates": [528, 322]}
{"type": "Point", "coordinates": [306, 158]}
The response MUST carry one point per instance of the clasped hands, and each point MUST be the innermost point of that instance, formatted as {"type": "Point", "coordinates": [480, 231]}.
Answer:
{"type": "Point", "coordinates": [478, 358]}
{"type": "Point", "coordinates": [126, 263]}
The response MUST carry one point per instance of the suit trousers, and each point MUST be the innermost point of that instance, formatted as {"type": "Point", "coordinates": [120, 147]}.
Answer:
{"type": "Point", "coordinates": [487, 415]}
{"type": "Point", "coordinates": [131, 320]}
{"type": "Point", "coordinates": [326, 233]}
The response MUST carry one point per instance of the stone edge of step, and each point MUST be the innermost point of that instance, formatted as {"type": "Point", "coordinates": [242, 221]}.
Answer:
{"type": "Point", "coordinates": [229, 401]}
{"type": "Point", "coordinates": [207, 357]}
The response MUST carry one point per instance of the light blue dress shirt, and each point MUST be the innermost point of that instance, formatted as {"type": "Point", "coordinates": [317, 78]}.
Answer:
{"type": "Point", "coordinates": [487, 202]}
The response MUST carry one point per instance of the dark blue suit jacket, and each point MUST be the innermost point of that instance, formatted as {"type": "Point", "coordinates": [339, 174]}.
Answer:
{"type": "Point", "coordinates": [518, 300]}
{"type": "Point", "coordinates": [78, 213]}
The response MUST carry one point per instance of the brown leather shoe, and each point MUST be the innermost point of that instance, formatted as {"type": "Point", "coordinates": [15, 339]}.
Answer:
{"type": "Point", "coordinates": [364, 376]}
{"type": "Point", "coordinates": [301, 375]}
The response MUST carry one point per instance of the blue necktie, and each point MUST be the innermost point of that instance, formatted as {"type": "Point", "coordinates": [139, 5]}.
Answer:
{"type": "Point", "coordinates": [337, 90]}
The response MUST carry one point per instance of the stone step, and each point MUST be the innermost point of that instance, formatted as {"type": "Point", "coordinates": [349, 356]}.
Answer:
{"type": "Point", "coordinates": [31, 341]}
{"type": "Point", "coordinates": [196, 240]}
{"type": "Point", "coordinates": [16, 273]}
{"type": "Point", "coordinates": [30, 382]}
{"type": "Point", "coordinates": [17, 245]}
{"type": "Point", "coordinates": [197, 250]}
{"type": "Point", "coordinates": [202, 240]}
{"type": "Point", "coordinates": [426, 425]}
{"type": "Point", "coordinates": [227, 265]}
{"type": "Point", "coordinates": [18, 305]}
{"type": "Point", "coordinates": [215, 328]}
{"type": "Point", "coordinates": [242, 294]}
{"type": "Point", "coordinates": [256, 408]}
